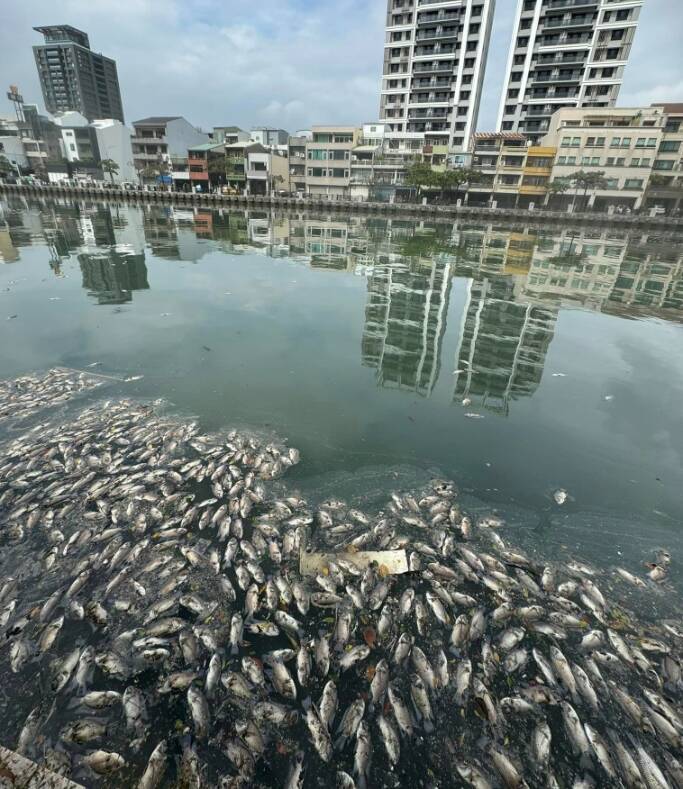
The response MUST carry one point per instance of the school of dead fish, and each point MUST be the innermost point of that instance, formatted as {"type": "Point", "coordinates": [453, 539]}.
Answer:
{"type": "Point", "coordinates": [153, 618]}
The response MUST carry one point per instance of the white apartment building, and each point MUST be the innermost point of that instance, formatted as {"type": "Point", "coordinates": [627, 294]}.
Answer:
{"type": "Point", "coordinates": [565, 53]}
{"type": "Point", "coordinates": [623, 143]}
{"type": "Point", "coordinates": [434, 60]}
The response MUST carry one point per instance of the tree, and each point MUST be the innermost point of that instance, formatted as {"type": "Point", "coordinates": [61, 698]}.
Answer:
{"type": "Point", "coordinates": [109, 166]}
{"type": "Point", "coordinates": [217, 167]}
{"type": "Point", "coordinates": [420, 175]}
{"type": "Point", "coordinates": [5, 166]}
{"type": "Point", "coordinates": [588, 182]}
{"type": "Point", "coordinates": [557, 187]}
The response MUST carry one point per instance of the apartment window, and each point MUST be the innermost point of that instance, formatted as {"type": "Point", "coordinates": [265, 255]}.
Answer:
{"type": "Point", "coordinates": [616, 142]}
{"type": "Point", "coordinates": [633, 183]}
{"type": "Point", "coordinates": [651, 142]}
{"type": "Point", "coordinates": [595, 161]}
{"type": "Point", "coordinates": [609, 161]}
{"type": "Point", "coordinates": [612, 183]}
{"type": "Point", "coordinates": [566, 142]}
{"type": "Point", "coordinates": [635, 162]}
{"type": "Point", "coordinates": [672, 126]}
{"type": "Point", "coordinates": [626, 142]}
{"type": "Point", "coordinates": [645, 162]}
{"type": "Point", "coordinates": [663, 164]}
{"type": "Point", "coordinates": [317, 154]}
{"type": "Point", "coordinates": [561, 159]}
{"type": "Point", "coordinates": [669, 146]}
{"type": "Point", "coordinates": [571, 160]}
{"type": "Point", "coordinates": [72, 147]}
{"type": "Point", "coordinates": [620, 161]}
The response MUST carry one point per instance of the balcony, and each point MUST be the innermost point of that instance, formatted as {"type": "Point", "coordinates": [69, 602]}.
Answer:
{"type": "Point", "coordinates": [427, 68]}
{"type": "Point", "coordinates": [559, 4]}
{"type": "Point", "coordinates": [439, 33]}
{"type": "Point", "coordinates": [257, 174]}
{"type": "Point", "coordinates": [582, 21]}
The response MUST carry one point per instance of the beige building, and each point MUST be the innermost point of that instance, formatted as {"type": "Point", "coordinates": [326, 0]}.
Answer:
{"type": "Point", "coordinates": [513, 172]}
{"type": "Point", "coordinates": [328, 161]}
{"type": "Point", "coordinates": [624, 143]}
{"type": "Point", "coordinates": [665, 190]}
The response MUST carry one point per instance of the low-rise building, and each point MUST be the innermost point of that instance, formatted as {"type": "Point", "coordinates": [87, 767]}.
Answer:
{"type": "Point", "coordinates": [160, 144]}
{"type": "Point", "coordinates": [230, 134]}
{"type": "Point", "coordinates": [328, 160]}
{"type": "Point", "coordinates": [297, 164]}
{"type": "Point", "coordinates": [267, 170]}
{"type": "Point", "coordinates": [200, 160]}
{"type": "Point", "coordinates": [268, 136]}
{"type": "Point", "coordinates": [623, 143]}
{"type": "Point", "coordinates": [511, 171]}
{"type": "Point", "coordinates": [113, 142]}
{"type": "Point", "coordinates": [665, 188]}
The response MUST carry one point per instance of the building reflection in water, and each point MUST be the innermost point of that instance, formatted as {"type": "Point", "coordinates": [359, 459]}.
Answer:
{"type": "Point", "coordinates": [405, 320]}
{"type": "Point", "coordinates": [111, 276]}
{"type": "Point", "coordinates": [515, 281]}
{"type": "Point", "coordinates": [503, 345]}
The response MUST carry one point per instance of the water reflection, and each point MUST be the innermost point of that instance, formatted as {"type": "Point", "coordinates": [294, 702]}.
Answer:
{"type": "Point", "coordinates": [514, 281]}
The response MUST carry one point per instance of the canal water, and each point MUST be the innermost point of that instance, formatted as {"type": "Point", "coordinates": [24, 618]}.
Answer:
{"type": "Point", "coordinates": [513, 360]}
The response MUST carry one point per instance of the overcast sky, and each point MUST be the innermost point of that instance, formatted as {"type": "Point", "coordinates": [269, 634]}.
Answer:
{"type": "Point", "coordinates": [290, 63]}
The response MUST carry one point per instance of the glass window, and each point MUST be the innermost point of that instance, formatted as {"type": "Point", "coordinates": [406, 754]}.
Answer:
{"type": "Point", "coordinates": [620, 161]}
{"type": "Point", "coordinates": [626, 142]}
{"type": "Point", "coordinates": [595, 161]}
{"type": "Point", "coordinates": [571, 160]}
{"type": "Point", "coordinates": [645, 162]}
{"type": "Point", "coordinates": [651, 142]}
{"type": "Point", "coordinates": [633, 183]}
{"type": "Point", "coordinates": [566, 141]}
{"type": "Point", "coordinates": [561, 159]}
{"type": "Point", "coordinates": [576, 141]}
{"type": "Point", "coordinates": [609, 161]}
{"type": "Point", "coordinates": [670, 146]}
{"type": "Point", "coordinates": [616, 142]}
{"type": "Point", "coordinates": [640, 142]}
{"type": "Point", "coordinates": [635, 162]}
{"type": "Point", "coordinates": [664, 164]}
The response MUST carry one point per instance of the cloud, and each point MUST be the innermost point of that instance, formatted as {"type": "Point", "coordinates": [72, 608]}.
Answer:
{"type": "Point", "coordinates": [283, 62]}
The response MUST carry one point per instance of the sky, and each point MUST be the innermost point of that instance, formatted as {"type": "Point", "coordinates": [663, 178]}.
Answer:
{"type": "Point", "coordinates": [285, 63]}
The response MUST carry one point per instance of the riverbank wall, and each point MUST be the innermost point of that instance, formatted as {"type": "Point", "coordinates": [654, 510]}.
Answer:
{"type": "Point", "coordinates": [317, 204]}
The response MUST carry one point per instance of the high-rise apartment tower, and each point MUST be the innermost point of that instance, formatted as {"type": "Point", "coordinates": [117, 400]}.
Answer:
{"type": "Point", "coordinates": [434, 59]}
{"type": "Point", "coordinates": [565, 53]}
{"type": "Point", "coordinates": [73, 77]}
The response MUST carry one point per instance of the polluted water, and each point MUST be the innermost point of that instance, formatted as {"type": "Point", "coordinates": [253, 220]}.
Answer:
{"type": "Point", "coordinates": [155, 629]}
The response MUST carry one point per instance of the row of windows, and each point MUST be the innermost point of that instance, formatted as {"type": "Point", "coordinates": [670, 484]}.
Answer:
{"type": "Point", "coordinates": [322, 172]}
{"type": "Point", "coordinates": [321, 155]}
{"type": "Point", "coordinates": [615, 142]}
{"type": "Point", "coordinates": [610, 161]}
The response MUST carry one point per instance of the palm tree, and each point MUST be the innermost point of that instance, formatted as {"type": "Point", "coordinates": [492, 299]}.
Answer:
{"type": "Point", "coordinates": [109, 166]}
{"type": "Point", "coordinates": [557, 187]}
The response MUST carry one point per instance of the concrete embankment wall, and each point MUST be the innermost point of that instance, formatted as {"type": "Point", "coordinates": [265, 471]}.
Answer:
{"type": "Point", "coordinates": [346, 206]}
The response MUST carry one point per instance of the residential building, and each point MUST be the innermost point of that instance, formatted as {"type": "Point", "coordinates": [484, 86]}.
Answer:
{"type": "Point", "coordinates": [297, 164]}
{"type": "Point", "coordinates": [161, 142]}
{"type": "Point", "coordinates": [328, 160]}
{"type": "Point", "coordinates": [513, 172]}
{"type": "Point", "coordinates": [499, 158]}
{"type": "Point", "coordinates": [235, 165]}
{"type": "Point", "coordinates": [73, 77]}
{"type": "Point", "coordinates": [113, 142]}
{"type": "Point", "coordinates": [434, 61]}
{"type": "Point", "coordinates": [266, 135]}
{"type": "Point", "coordinates": [364, 157]}
{"type": "Point", "coordinates": [200, 159]}
{"type": "Point", "coordinates": [229, 134]}
{"type": "Point", "coordinates": [565, 53]}
{"type": "Point", "coordinates": [267, 170]}
{"type": "Point", "coordinates": [665, 188]}
{"type": "Point", "coordinates": [621, 142]}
